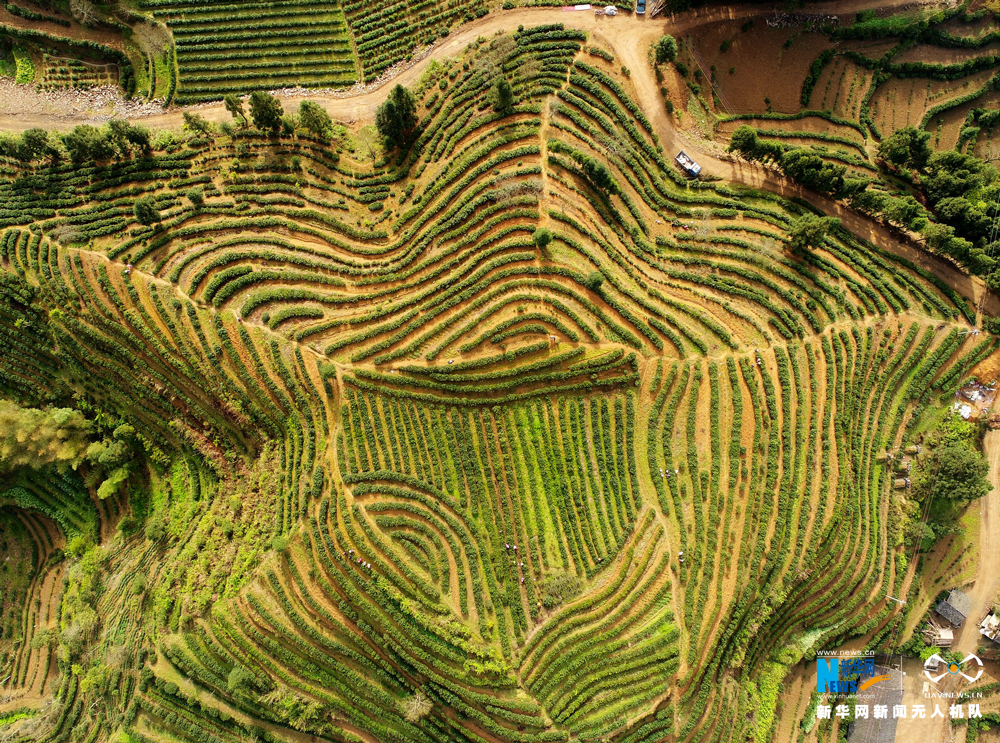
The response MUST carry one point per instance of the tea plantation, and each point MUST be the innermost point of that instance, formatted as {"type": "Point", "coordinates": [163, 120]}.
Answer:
{"type": "Point", "coordinates": [508, 433]}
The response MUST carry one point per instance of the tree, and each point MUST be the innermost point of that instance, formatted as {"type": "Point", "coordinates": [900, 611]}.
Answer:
{"type": "Point", "coordinates": [594, 281]}
{"type": "Point", "coordinates": [542, 237]}
{"type": "Point", "coordinates": [145, 211]}
{"type": "Point", "coordinates": [599, 175]}
{"type": "Point", "coordinates": [809, 230]}
{"type": "Point", "coordinates": [397, 117]}
{"type": "Point", "coordinates": [125, 135]}
{"type": "Point", "coordinates": [503, 96]}
{"type": "Point", "coordinates": [745, 142]}
{"type": "Point", "coordinates": [83, 11]}
{"type": "Point", "coordinates": [139, 136]}
{"type": "Point", "coordinates": [416, 707]}
{"type": "Point", "coordinates": [937, 235]}
{"type": "Point", "coordinates": [86, 143]}
{"type": "Point", "coordinates": [870, 202]}
{"type": "Point", "coordinates": [812, 171]}
{"type": "Point", "coordinates": [902, 210]}
{"type": "Point", "coordinates": [197, 123]}
{"type": "Point", "coordinates": [666, 49]}
{"type": "Point", "coordinates": [240, 679]}
{"type": "Point", "coordinates": [234, 105]}
{"type": "Point", "coordinates": [961, 472]}
{"type": "Point", "coordinates": [315, 119]}
{"type": "Point", "coordinates": [156, 529]}
{"type": "Point", "coordinates": [35, 438]}
{"type": "Point", "coordinates": [34, 143]}
{"type": "Point", "coordinates": [266, 111]}
{"type": "Point", "coordinates": [951, 173]}
{"type": "Point", "coordinates": [196, 196]}
{"type": "Point", "coordinates": [907, 146]}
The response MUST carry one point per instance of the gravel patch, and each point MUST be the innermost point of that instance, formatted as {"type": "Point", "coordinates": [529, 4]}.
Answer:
{"type": "Point", "coordinates": [99, 103]}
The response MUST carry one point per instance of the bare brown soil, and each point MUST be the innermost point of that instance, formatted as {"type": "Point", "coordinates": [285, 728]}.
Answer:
{"type": "Point", "coordinates": [762, 66]}
{"type": "Point", "coordinates": [74, 31]}
{"type": "Point", "coordinates": [943, 55]}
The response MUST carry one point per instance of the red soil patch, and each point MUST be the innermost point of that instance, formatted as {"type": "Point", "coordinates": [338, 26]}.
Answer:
{"type": "Point", "coordinates": [988, 369]}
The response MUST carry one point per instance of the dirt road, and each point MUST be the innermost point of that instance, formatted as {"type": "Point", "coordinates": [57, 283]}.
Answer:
{"type": "Point", "coordinates": [987, 582]}
{"type": "Point", "coordinates": [630, 37]}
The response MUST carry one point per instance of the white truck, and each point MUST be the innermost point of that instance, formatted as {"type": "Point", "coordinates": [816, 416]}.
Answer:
{"type": "Point", "coordinates": [688, 165]}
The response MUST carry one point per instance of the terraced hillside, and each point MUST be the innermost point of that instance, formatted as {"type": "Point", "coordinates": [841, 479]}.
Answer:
{"type": "Point", "coordinates": [846, 82]}
{"type": "Point", "coordinates": [406, 470]}
{"type": "Point", "coordinates": [224, 48]}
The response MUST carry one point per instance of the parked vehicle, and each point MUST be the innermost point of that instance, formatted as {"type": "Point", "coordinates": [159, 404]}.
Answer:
{"type": "Point", "coordinates": [688, 165]}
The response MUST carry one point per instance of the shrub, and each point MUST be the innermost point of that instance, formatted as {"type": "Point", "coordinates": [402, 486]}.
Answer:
{"type": "Point", "coordinates": [542, 237]}
{"type": "Point", "coordinates": [666, 49]}
{"type": "Point", "coordinates": [145, 211]}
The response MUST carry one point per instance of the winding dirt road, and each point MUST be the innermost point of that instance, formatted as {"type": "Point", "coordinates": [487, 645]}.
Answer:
{"type": "Point", "coordinates": [987, 582]}
{"type": "Point", "coordinates": [630, 37]}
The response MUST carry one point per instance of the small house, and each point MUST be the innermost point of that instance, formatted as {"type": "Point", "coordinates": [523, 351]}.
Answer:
{"type": "Point", "coordinates": [901, 483]}
{"type": "Point", "coordinates": [955, 608]}
{"type": "Point", "coordinates": [688, 165]}
{"type": "Point", "coordinates": [990, 627]}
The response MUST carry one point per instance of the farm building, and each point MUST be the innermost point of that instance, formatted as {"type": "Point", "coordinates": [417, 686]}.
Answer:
{"type": "Point", "coordinates": [935, 634]}
{"type": "Point", "coordinates": [688, 165]}
{"type": "Point", "coordinates": [990, 627]}
{"type": "Point", "coordinates": [955, 608]}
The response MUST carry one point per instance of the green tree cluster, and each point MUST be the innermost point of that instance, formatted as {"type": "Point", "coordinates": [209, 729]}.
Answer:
{"type": "Point", "coordinates": [315, 119]}
{"type": "Point", "coordinates": [961, 472]}
{"type": "Point", "coordinates": [85, 143]}
{"type": "Point", "coordinates": [38, 438]}
{"type": "Point", "coordinates": [906, 147]}
{"type": "Point", "coordinates": [397, 117]}
{"type": "Point", "coordinates": [266, 111]}
{"type": "Point", "coordinates": [809, 230]}
{"type": "Point", "coordinates": [800, 164]}
{"type": "Point", "coordinates": [666, 49]}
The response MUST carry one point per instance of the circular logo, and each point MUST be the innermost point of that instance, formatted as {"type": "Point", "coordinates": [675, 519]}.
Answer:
{"type": "Point", "coordinates": [961, 668]}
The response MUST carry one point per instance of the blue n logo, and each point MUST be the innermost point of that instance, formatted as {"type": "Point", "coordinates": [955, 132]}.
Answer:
{"type": "Point", "coordinates": [827, 675]}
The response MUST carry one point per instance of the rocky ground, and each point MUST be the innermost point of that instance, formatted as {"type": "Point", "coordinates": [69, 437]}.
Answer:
{"type": "Point", "coordinates": [98, 104]}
